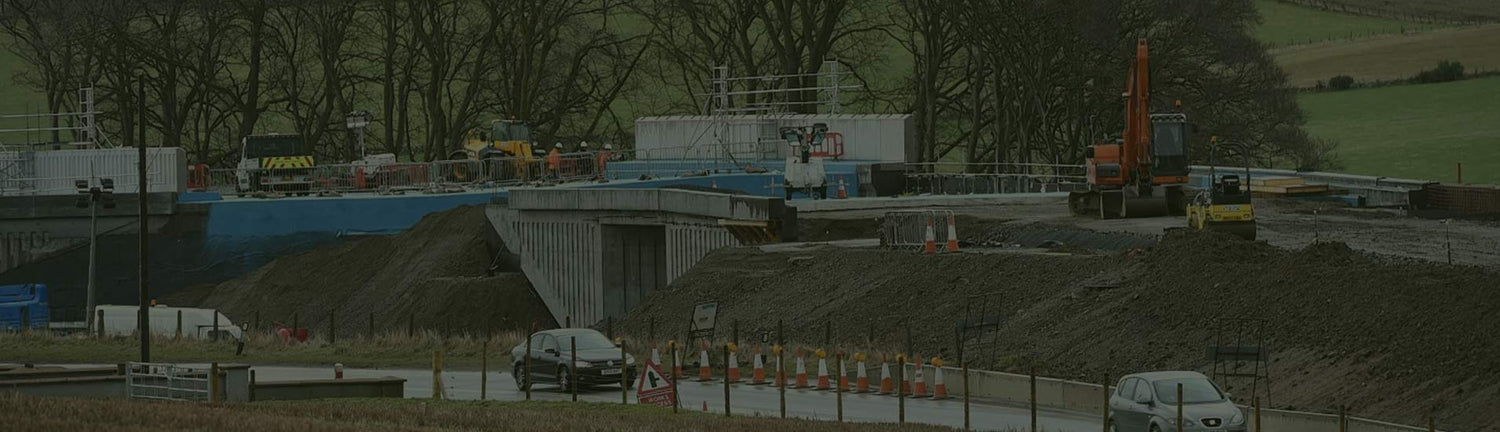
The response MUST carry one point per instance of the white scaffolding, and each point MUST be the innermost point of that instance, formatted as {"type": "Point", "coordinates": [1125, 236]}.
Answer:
{"type": "Point", "coordinates": [764, 97]}
{"type": "Point", "coordinates": [75, 130]}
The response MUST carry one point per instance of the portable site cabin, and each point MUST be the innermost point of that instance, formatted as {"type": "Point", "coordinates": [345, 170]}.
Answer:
{"type": "Point", "coordinates": [24, 306]}
{"type": "Point", "coordinates": [120, 320]}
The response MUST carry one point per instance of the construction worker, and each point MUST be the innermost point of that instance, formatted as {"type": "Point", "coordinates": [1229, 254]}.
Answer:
{"type": "Point", "coordinates": [554, 160]}
{"type": "Point", "coordinates": [602, 160]}
{"type": "Point", "coordinates": [585, 160]}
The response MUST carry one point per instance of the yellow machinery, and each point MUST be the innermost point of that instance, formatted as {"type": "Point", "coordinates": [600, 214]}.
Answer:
{"type": "Point", "coordinates": [1227, 206]}
{"type": "Point", "coordinates": [506, 139]}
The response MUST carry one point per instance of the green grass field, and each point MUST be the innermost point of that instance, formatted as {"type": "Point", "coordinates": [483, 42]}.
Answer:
{"type": "Point", "coordinates": [56, 414]}
{"type": "Point", "coordinates": [1285, 25]}
{"type": "Point", "coordinates": [1413, 131]}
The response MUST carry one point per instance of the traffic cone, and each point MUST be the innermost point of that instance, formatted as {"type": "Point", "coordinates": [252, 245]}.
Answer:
{"type": "Point", "coordinates": [823, 370]}
{"type": "Point", "coordinates": [930, 246]}
{"type": "Point", "coordinates": [676, 361]}
{"type": "Point", "coordinates": [861, 381]}
{"type": "Point", "coordinates": [842, 193]}
{"type": "Point", "coordinates": [780, 371]}
{"type": "Point", "coordinates": [952, 235]}
{"type": "Point", "coordinates": [732, 373]}
{"type": "Point", "coordinates": [919, 381]}
{"type": "Point", "coordinates": [703, 373]}
{"type": "Point", "coordinates": [886, 386]}
{"type": "Point", "coordinates": [758, 376]}
{"type": "Point", "coordinates": [801, 371]}
{"type": "Point", "coordinates": [843, 375]}
{"type": "Point", "coordinates": [939, 388]}
{"type": "Point", "coordinates": [338, 371]}
{"type": "Point", "coordinates": [655, 354]}
{"type": "Point", "coordinates": [713, 184]}
{"type": "Point", "coordinates": [705, 406]}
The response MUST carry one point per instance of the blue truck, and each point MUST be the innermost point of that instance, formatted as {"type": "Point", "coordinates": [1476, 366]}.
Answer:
{"type": "Point", "coordinates": [24, 307]}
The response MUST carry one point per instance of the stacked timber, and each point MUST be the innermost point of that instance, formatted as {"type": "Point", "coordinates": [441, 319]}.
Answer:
{"type": "Point", "coordinates": [1286, 187]}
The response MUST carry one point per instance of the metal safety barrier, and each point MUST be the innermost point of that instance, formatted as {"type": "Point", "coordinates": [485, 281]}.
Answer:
{"type": "Point", "coordinates": [907, 229]}
{"type": "Point", "coordinates": [165, 381]}
{"type": "Point", "coordinates": [441, 176]}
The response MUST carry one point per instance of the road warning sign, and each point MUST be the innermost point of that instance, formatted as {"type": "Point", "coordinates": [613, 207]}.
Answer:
{"type": "Point", "coordinates": [654, 388]}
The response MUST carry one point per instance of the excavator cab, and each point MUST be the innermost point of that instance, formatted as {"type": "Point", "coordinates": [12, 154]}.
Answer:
{"type": "Point", "coordinates": [510, 130]}
{"type": "Point", "coordinates": [1169, 145]}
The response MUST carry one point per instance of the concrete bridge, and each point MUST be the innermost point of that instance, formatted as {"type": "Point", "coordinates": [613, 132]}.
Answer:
{"type": "Point", "coordinates": [596, 253]}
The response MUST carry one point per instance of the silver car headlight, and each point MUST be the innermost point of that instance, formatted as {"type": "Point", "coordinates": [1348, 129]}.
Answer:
{"type": "Point", "coordinates": [1237, 419]}
{"type": "Point", "coordinates": [629, 359]}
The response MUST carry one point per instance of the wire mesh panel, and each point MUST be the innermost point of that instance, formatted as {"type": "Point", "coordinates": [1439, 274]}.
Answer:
{"type": "Point", "coordinates": [165, 381]}
{"type": "Point", "coordinates": [908, 229]}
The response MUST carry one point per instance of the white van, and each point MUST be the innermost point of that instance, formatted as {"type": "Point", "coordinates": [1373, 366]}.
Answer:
{"type": "Point", "coordinates": [196, 323]}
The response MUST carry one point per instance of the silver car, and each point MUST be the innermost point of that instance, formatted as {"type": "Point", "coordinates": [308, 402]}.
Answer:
{"type": "Point", "coordinates": [1147, 402]}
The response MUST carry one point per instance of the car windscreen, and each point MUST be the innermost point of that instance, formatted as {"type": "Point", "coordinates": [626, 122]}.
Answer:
{"type": "Point", "coordinates": [262, 147]}
{"type": "Point", "coordinates": [587, 340]}
{"type": "Point", "coordinates": [1194, 390]}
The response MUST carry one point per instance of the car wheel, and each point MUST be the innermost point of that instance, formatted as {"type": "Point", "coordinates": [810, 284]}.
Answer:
{"type": "Point", "coordinates": [1112, 427]}
{"type": "Point", "coordinates": [522, 383]}
{"type": "Point", "coordinates": [1155, 428]}
{"type": "Point", "coordinates": [564, 380]}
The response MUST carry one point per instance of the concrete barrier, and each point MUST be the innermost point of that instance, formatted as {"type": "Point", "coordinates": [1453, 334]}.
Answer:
{"type": "Point", "coordinates": [25, 374]}
{"type": "Point", "coordinates": [387, 387]}
{"type": "Point", "coordinates": [98, 387]}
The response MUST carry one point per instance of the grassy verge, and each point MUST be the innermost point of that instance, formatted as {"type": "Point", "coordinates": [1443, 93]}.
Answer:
{"type": "Point", "coordinates": [1413, 131]}
{"type": "Point", "coordinates": [390, 414]}
{"type": "Point", "coordinates": [390, 350]}
{"type": "Point", "coordinates": [1287, 24]}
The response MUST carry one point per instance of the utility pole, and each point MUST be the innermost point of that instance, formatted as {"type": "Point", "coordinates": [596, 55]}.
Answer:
{"type": "Point", "coordinates": [144, 319]}
{"type": "Point", "coordinates": [92, 197]}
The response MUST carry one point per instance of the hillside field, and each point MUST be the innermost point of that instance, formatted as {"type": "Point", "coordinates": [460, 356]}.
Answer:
{"type": "Point", "coordinates": [1287, 24]}
{"type": "Point", "coordinates": [1391, 57]}
{"type": "Point", "coordinates": [1413, 131]}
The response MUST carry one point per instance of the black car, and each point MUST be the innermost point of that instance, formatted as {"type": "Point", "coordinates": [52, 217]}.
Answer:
{"type": "Point", "coordinates": [599, 361]}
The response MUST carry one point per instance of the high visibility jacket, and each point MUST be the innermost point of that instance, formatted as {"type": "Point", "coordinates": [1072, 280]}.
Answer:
{"type": "Point", "coordinates": [554, 159]}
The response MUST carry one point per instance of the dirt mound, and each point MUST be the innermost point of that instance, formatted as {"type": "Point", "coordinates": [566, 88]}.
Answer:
{"type": "Point", "coordinates": [436, 274]}
{"type": "Point", "coordinates": [1391, 338]}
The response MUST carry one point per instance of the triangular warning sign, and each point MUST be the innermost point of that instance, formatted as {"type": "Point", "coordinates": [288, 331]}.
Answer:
{"type": "Point", "coordinates": [653, 388]}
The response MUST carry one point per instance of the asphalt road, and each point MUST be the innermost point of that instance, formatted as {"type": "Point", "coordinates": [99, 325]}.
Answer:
{"type": "Point", "coordinates": [745, 399]}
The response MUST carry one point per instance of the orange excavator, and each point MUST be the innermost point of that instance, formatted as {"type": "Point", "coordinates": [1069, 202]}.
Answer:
{"type": "Point", "coordinates": [1142, 173]}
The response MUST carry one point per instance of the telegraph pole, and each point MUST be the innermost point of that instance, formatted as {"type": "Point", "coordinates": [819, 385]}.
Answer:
{"type": "Point", "coordinates": [144, 319]}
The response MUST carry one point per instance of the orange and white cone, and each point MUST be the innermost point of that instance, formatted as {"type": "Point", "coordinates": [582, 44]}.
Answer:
{"type": "Point", "coordinates": [704, 374]}
{"type": "Point", "coordinates": [842, 192]}
{"type": "Point", "coordinates": [676, 361]}
{"type": "Point", "coordinates": [952, 235]}
{"type": "Point", "coordinates": [861, 380]}
{"type": "Point", "coordinates": [801, 372]}
{"type": "Point", "coordinates": [823, 370]}
{"type": "Point", "coordinates": [919, 381]}
{"type": "Point", "coordinates": [939, 388]}
{"type": "Point", "coordinates": [780, 371]}
{"type": "Point", "coordinates": [732, 373]}
{"type": "Point", "coordinates": [655, 354]}
{"type": "Point", "coordinates": [843, 375]}
{"type": "Point", "coordinates": [930, 245]}
{"type": "Point", "coordinates": [758, 375]}
{"type": "Point", "coordinates": [886, 386]}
